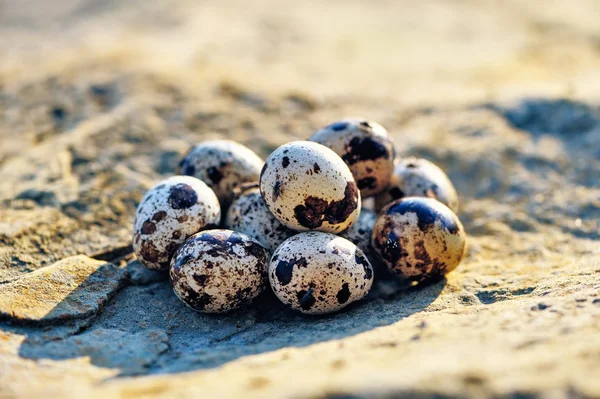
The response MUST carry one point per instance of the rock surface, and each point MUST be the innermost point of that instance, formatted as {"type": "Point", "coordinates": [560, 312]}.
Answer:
{"type": "Point", "coordinates": [98, 100]}
{"type": "Point", "coordinates": [73, 288]}
{"type": "Point", "coordinates": [110, 348]}
{"type": "Point", "coordinates": [141, 275]}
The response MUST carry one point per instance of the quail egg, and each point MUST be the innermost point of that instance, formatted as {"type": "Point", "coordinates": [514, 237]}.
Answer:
{"type": "Point", "coordinates": [249, 214]}
{"type": "Point", "coordinates": [417, 177]}
{"type": "Point", "coordinates": [368, 203]}
{"type": "Point", "coordinates": [169, 213]}
{"type": "Point", "coordinates": [317, 273]}
{"type": "Point", "coordinates": [216, 271]}
{"type": "Point", "coordinates": [307, 186]}
{"type": "Point", "coordinates": [360, 232]}
{"type": "Point", "coordinates": [365, 147]}
{"type": "Point", "coordinates": [223, 165]}
{"type": "Point", "coordinates": [419, 238]}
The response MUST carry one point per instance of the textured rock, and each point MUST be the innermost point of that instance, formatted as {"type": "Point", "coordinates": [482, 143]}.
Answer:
{"type": "Point", "coordinates": [141, 275]}
{"type": "Point", "coordinates": [131, 353]}
{"type": "Point", "coordinates": [503, 96]}
{"type": "Point", "coordinates": [74, 288]}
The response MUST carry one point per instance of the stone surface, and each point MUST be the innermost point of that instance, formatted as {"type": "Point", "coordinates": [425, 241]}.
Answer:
{"type": "Point", "coordinates": [73, 288]}
{"type": "Point", "coordinates": [141, 275]}
{"type": "Point", "coordinates": [110, 348]}
{"type": "Point", "coordinates": [98, 100]}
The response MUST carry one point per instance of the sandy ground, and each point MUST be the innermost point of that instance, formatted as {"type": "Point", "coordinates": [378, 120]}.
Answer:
{"type": "Point", "coordinates": [99, 99]}
{"type": "Point", "coordinates": [412, 52]}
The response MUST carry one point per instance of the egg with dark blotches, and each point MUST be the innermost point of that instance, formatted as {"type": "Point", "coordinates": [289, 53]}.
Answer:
{"type": "Point", "coordinates": [217, 271]}
{"type": "Point", "coordinates": [419, 238]}
{"type": "Point", "coordinates": [223, 165]}
{"type": "Point", "coordinates": [307, 186]}
{"type": "Point", "coordinates": [249, 214]}
{"type": "Point", "coordinates": [365, 147]}
{"type": "Point", "coordinates": [317, 273]}
{"type": "Point", "coordinates": [168, 214]}
{"type": "Point", "coordinates": [417, 177]}
{"type": "Point", "coordinates": [361, 231]}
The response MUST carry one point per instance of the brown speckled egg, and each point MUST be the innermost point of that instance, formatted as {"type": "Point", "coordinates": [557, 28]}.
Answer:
{"type": "Point", "coordinates": [307, 186]}
{"type": "Point", "coordinates": [223, 165]}
{"type": "Point", "coordinates": [318, 273]}
{"type": "Point", "coordinates": [361, 231]}
{"type": "Point", "coordinates": [365, 147]}
{"type": "Point", "coordinates": [216, 271]}
{"type": "Point", "coordinates": [417, 177]}
{"type": "Point", "coordinates": [249, 214]}
{"type": "Point", "coordinates": [169, 213]}
{"type": "Point", "coordinates": [419, 238]}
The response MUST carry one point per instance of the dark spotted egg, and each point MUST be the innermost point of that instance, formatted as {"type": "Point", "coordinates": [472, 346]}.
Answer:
{"type": "Point", "coordinates": [365, 147]}
{"type": "Point", "coordinates": [223, 165]}
{"type": "Point", "coordinates": [419, 238]}
{"type": "Point", "coordinates": [307, 186]}
{"type": "Point", "coordinates": [169, 213]}
{"type": "Point", "coordinates": [360, 232]}
{"type": "Point", "coordinates": [249, 214]}
{"type": "Point", "coordinates": [317, 273]}
{"type": "Point", "coordinates": [417, 177]}
{"type": "Point", "coordinates": [216, 271]}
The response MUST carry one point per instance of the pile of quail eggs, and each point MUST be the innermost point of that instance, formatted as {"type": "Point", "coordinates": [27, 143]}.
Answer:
{"type": "Point", "coordinates": [230, 223]}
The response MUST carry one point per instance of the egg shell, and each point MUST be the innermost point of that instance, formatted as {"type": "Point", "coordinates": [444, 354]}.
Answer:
{"type": "Point", "coordinates": [417, 177]}
{"type": "Point", "coordinates": [361, 231]}
{"type": "Point", "coordinates": [368, 203]}
{"type": "Point", "coordinates": [223, 165]}
{"type": "Point", "coordinates": [317, 273]}
{"type": "Point", "coordinates": [307, 186]}
{"type": "Point", "coordinates": [249, 214]}
{"type": "Point", "coordinates": [217, 271]}
{"type": "Point", "coordinates": [365, 147]}
{"type": "Point", "coordinates": [419, 238]}
{"type": "Point", "coordinates": [168, 214]}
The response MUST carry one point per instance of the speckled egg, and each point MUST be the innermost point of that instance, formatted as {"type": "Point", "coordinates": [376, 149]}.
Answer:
{"type": "Point", "coordinates": [249, 214]}
{"type": "Point", "coordinates": [419, 238]}
{"type": "Point", "coordinates": [223, 165]}
{"type": "Point", "coordinates": [216, 271]}
{"type": "Point", "coordinates": [368, 203]}
{"type": "Point", "coordinates": [361, 231]}
{"type": "Point", "coordinates": [365, 147]}
{"type": "Point", "coordinates": [318, 273]}
{"type": "Point", "coordinates": [169, 213]}
{"type": "Point", "coordinates": [307, 186]}
{"type": "Point", "coordinates": [417, 177]}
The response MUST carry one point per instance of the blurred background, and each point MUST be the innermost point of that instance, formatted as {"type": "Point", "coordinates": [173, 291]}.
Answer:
{"type": "Point", "coordinates": [411, 51]}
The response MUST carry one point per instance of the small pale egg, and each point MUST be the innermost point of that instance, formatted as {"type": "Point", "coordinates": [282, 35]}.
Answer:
{"type": "Point", "coordinates": [307, 186]}
{"type": "Point", "coordinates": [168, 214]}
{"type": "Point", "coordinates": [365, 147]}
{"type": "Point", "coordinates": [417, 177]}
{"type": "Point", "coordinates": [216, 271]}
{"type": "Point", "coordinates": [223, 165]}
{"type": "Point", "coordinates": [249, 214]}
{"type": "Point", "coordinates": [317, 273]}
{"type": "Point", "coordinates": [419, 238]}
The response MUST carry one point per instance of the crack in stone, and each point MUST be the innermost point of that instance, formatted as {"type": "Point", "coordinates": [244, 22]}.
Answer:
{"type": "Point", "coordinates": [113, 255]}
{"type": "Point", "coordinates": [230, 336]}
